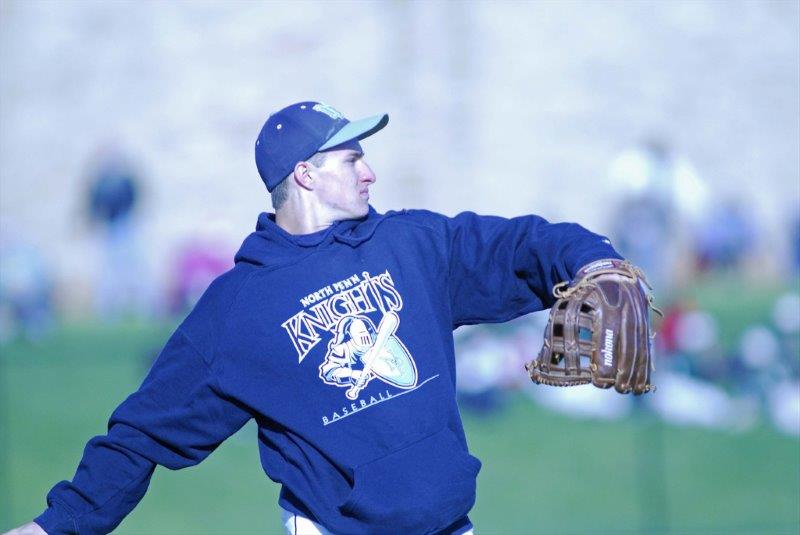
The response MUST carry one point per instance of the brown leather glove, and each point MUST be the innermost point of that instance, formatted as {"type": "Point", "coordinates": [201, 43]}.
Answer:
{"type": "Point", "coordinates": [599, 331]}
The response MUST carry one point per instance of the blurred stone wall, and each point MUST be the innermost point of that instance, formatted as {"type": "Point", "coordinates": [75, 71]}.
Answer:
{"type": "Point", "coordinates": [497, 107]}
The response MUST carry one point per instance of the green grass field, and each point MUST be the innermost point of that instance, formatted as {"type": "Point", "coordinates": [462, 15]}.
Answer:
{"type": "Point", "coordinates": [542, 473]}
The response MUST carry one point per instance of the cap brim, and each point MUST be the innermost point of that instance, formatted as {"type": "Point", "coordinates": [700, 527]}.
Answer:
{"type": "Point", "coordinates": [357, 130]}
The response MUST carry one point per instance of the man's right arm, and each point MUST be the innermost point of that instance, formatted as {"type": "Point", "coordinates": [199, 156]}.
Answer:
{"type": "Point", "coordinates": [176, 419]}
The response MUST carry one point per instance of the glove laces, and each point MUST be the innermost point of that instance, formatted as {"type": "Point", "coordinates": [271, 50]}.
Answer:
{"type": "Point", "coordinates": [563, 290]}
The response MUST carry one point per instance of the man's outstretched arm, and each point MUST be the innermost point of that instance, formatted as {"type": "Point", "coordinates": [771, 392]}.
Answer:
{"type": "Point", "coordinates": [176, 419]}
{"type": "Point", "coordinates": [503, 268]}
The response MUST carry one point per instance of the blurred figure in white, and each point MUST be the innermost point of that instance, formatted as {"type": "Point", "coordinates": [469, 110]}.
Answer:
{"type": "Point", "coordinates": [122, 285]}
{"type": "Point", "coordinates": [653, 168]}
{"type": "Point", "coordinates": [660, 193]}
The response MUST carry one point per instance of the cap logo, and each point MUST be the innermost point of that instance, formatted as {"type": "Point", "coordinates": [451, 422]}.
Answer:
{"type": "Point", "coordinates": [328, 110]}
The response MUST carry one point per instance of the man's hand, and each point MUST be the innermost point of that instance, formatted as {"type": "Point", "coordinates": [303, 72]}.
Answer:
{"type": "Point", "coordinates": [31, 528]}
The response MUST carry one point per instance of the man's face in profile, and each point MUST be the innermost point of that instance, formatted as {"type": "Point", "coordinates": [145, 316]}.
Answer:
{"type": "Point", "coordinates": [344, 181]}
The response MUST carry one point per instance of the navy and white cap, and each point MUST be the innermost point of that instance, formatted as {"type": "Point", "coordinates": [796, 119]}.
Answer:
{"type": "Point", "coordinates": [297, 132]}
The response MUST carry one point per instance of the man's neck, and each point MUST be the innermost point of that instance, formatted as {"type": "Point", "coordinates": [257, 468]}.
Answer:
{"type": "Point", "coordinates": [299, 222]}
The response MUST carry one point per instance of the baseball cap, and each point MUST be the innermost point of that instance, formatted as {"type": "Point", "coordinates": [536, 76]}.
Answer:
{"type": "Point", "coordinates": [296, 132]}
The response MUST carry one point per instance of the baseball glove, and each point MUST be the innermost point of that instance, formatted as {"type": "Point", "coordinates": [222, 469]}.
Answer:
{"type": "Point", "coordinates": [599, 331]}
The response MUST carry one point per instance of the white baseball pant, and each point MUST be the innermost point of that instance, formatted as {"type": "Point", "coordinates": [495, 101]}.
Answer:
{"type": "Point", "coordinates": [299, 525]}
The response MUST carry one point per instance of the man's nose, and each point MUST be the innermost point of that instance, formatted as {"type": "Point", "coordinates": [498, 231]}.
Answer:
{"type": "Point", "coordinates": [366, 173]}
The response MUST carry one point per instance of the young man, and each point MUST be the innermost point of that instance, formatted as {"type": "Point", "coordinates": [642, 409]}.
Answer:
{"type": "Point", "coordinates": [334, 331]}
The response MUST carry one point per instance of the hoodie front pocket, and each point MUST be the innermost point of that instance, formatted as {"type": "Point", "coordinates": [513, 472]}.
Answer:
{"type": "Point", "coordinates": [424, 486]}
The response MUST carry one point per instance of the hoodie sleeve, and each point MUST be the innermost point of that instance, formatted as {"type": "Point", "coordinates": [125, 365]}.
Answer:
{"type": "Point", "coordinates": [176, 419]}
{"type": "Point", "coordinates": [503, 268]}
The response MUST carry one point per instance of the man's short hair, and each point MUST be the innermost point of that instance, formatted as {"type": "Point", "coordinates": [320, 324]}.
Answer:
{"type": "Point", "coordinates": [281, 191]}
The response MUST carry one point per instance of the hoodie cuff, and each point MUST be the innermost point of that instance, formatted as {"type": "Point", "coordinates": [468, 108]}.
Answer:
{"type": "Point", "coordinates": [56, 521]}
{"type": "Point", "coordinates": [602, 252]}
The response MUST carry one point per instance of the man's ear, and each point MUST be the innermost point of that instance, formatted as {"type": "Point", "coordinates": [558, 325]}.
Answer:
{"type": "Point", "coordinates": [303, 175]}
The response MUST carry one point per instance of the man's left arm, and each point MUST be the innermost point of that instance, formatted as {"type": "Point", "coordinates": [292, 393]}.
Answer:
{"type": "Point", "coordinates": [503, 268]}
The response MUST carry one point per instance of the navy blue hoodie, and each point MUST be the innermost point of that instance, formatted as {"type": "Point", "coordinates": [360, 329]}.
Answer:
{"type": "Point", "coordinates": [339, 344]}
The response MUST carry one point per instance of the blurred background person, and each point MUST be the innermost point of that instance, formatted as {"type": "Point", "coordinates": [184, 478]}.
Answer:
{"type": "Point", "coordinates": [661, 200]}
{"type": "Point", "coordinates": [122, 285]}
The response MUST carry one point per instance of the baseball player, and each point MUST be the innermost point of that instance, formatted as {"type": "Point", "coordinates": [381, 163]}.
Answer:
{"type": "Point", "coordinates": [334, 332]}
